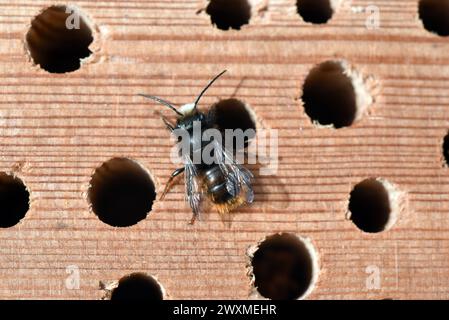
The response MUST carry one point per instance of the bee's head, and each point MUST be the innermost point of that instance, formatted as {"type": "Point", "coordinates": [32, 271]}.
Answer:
{"type": "Point", "coordinates": [188, 109]}
{"type": "Point", "coordinates": [190, 114]}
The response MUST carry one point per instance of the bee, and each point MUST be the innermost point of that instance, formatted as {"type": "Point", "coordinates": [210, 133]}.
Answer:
{"type": "Point", "coordinates": [224, 182]}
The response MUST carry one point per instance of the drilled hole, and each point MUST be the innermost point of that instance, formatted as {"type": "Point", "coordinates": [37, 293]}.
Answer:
{"type": "Point", "coordinates": [315, 11]}
{"type": "Point", "coordinates": [373, 205]}
{"type": "Point", "coordinates": [59, 38]}
{"type": "Point", "coordinates": [284, 267]}
{"type": "Point", "coordinates": [14, 200]}
{"type": "Point", "coordinates": [121, 192]}
{"type": "Point", "coordinates": [446, 149]}
{"type": "Point", "coordinates": [229, 14]}
{"type": "Point", "coordinates": [233, 114]}
{"type": "Point", "coordinates": [137, 286]}
{"type": "Point", "coordinates": [335, 95]}
{"type": "Point", "coordinates": [434, 15]}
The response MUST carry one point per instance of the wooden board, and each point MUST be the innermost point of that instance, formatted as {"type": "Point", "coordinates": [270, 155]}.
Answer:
{"type": "Point", "coordinates": [56, 129]}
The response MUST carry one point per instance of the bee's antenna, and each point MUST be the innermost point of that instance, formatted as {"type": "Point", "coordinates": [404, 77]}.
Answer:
{"type": "Point", "coordinates": [207, 87]}
{"type": "Point", "coordinates": [161, 101]}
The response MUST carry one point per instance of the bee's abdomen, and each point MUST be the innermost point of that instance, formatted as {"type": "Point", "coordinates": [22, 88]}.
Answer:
{"type": "Point", "coordinates": [215, 182]}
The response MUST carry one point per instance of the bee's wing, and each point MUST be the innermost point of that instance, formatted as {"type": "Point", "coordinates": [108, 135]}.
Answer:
{"type": "Point", "coordinates": [193, 188]}
{"type": "Point", "coordinates": [238, 176]}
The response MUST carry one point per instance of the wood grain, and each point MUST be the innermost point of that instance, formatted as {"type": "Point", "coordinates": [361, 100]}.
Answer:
{"type": "Point", "coordinates": [55, 129]}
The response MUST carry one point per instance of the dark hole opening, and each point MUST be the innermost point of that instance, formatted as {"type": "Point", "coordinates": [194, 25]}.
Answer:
{"type": "Point", "coordinates": [328, 95]}
{"type": "Point", "coordinates": [121, 192]}
{"type": "Point", "coordinates": [233, 114]}
{"type": "Point", "coordinates": [369, 205]}
{"type": "Point", "coordinates": [446, 148]}
{"type": "Point", "coordinates": [137, 286]}
{"type": "Point", "coordinates": [283, 267]}
{"type": "Point", "coordinates": [315, 11]}
{"type": "Point", "coordinates": [434, 15]}
{"type": "Point", "coordinates": [55, 45]}
{"type": "Point", "coordinates": [14, 200]}
{"type": "Point", "coordinates": [229, 14]}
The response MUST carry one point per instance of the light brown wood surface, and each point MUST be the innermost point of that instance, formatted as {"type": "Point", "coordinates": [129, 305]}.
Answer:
{"type": "Point", "coordinates": [55, 129]}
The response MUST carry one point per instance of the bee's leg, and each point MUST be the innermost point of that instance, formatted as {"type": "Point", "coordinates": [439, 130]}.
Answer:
{"type": "Point", "coordinates": [194, 216]}
{"type": "Point", "coordinates": [169, 184]}
{"type": "Point", "coordinates": [168, 124]}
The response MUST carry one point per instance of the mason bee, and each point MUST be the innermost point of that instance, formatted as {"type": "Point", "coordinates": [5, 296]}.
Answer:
{"type": "Point", "coordinates": [224, 181]}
